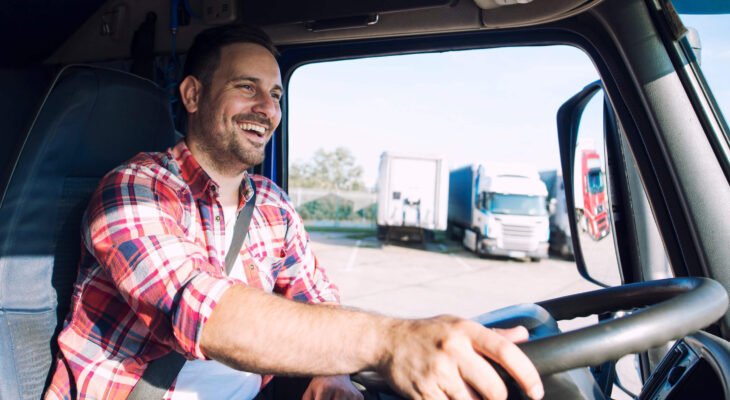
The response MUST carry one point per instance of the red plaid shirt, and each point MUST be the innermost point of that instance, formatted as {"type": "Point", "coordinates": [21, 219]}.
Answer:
{"type": "Point", "coordinates": [152, 269]}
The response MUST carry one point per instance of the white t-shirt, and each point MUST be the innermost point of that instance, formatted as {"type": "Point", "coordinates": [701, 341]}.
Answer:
{"type": "Point", "coordinates": [209, 379]}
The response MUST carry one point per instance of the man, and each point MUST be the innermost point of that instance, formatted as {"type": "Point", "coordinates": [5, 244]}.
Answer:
{"type": "Point", "coordinates": [152, 277]}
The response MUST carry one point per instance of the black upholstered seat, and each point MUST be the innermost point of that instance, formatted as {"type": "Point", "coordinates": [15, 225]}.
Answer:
{"type": "Point", "coordinates": [91, 120]}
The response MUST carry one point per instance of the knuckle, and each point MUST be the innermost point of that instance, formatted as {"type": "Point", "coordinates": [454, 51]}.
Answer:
{"type": "Point", "coordinates": [503, 350]}
{"type": "Point", "coordinates": [440, 368]}
{"type": "Point", "coordinates": [498, 392]}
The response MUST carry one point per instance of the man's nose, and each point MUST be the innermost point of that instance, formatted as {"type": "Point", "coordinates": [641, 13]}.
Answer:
{"type": "Point", "coordinates": [265, 105]}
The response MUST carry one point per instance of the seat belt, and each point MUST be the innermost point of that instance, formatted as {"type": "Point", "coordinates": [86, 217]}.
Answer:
{"type": "Point", "coordinates": [160, 373]}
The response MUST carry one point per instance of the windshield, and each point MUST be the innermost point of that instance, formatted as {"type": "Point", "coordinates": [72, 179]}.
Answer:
{"type": "Point", "coordinates": [516, 204]}
{"type": "Point", "coordinates": [595, 181]}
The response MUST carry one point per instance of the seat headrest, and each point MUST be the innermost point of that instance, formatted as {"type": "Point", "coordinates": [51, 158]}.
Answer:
{"type": "Point", "coordinates": [105, 117]}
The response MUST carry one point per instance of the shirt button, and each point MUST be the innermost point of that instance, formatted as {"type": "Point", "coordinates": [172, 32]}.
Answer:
{"type": "Point", "coordinates": [218, 218]}
{"type": "Point", "coordinates": [251, 267]}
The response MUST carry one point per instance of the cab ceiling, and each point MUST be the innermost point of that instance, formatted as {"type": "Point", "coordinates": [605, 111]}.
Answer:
{"type": "Point", "coordinates": [93, 30]}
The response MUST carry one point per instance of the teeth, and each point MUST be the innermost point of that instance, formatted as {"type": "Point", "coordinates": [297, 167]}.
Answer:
{"type": "Point", "coordinates": [247, 126]}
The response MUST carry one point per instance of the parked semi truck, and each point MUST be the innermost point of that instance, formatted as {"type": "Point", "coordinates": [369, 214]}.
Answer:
{"type": "Point", "coordinates": [560, 237]}
{"type": "Point", "coordinates": [413, 195]}
{"type": "Point", "coordinates": [499, 210]}
{"type": "Point", "coordinates": [590, 191]}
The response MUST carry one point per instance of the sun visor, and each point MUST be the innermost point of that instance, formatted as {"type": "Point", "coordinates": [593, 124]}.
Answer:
{"type": "Point", "coordinates": [517, 13]}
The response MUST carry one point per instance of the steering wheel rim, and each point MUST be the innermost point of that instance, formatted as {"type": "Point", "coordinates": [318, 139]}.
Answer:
{"type": "Point", "coordinates": [672, 308]}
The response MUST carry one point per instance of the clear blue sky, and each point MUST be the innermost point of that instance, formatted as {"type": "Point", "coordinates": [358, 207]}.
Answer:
{"type": "Point", "coordinates": [471, 106]}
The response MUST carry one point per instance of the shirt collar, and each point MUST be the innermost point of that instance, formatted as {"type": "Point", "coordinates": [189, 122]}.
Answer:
{"type": "Point", "coordinates": [198, 180]}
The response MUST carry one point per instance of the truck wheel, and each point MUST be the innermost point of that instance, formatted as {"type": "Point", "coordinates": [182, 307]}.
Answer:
{"type": "Point", "coordinates": [591, 233]}
{"type": "Point", "coordinates": [565, 252]}
{"type": "Point", "coordinates": [583, 222]}
{"type": "Point", "coordinates": [450, 233]}
{"type": "Point", "coordinates": [382, 232]}
{"type": "Point", "coordinates": [478, 246]}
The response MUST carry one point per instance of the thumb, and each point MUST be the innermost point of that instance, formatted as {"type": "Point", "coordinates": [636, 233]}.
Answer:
{"type": "Point", "coordinates": [515, 335]}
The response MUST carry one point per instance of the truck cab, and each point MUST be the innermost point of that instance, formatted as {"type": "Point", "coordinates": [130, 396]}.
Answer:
{"type": "Point", "coordinates": [667, 161]}
{"type": "Point", "coordinates": [594, 218]}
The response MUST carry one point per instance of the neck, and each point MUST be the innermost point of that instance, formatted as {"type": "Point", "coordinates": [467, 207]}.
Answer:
{"type": "Point", "coordinates": [226, 175]}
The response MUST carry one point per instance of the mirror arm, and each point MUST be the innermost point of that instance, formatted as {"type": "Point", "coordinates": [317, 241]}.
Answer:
{"type": "Point", "coordinates": [625, 232]}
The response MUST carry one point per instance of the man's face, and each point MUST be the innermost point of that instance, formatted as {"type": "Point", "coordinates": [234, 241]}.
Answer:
{"type": "Point", "coordinates": [239, 110]}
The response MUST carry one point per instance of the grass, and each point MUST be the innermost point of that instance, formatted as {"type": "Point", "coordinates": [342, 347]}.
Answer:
{"type": "Point", "coordinates": [340, 229]}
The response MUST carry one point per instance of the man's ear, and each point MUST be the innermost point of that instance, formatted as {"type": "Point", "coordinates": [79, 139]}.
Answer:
{"type": "Point", "coordinates": [190, 90]}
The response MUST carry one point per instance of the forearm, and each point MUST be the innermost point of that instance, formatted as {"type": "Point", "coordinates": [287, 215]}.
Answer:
{"type": "Point", "coordinates": [259, 332]}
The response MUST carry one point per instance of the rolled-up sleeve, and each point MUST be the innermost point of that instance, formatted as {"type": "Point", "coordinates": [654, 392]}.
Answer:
{"type": "Point", "coordinates": [142, 234]}
{"type": "Point", "coordinates": [302, 278]}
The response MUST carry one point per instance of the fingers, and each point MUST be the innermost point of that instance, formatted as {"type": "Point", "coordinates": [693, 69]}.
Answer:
{"type": "Point", "coordinates": [444, 358]}
{"type": "Point", "coordinates": [485, 380]}
{"type": "Point", "coordinates": [460, 392]}
{"type": "Point", "coordinates": [308, 394]}
{"type": "Point", "coordinates": [450, 380]}
{"type": "Point", "coordinates": [497, 346]}
{"type": "Point", "coordinates": [331, 388]}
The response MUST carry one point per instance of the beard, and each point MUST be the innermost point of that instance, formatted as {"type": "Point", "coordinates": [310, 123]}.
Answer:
{"type": "Point", "coordinates": [228, 150]}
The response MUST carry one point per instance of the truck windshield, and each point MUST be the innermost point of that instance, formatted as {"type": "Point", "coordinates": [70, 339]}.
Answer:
{"type": "Point", "coordinates": [515, 204]}
{"type": "Point", "coordinates": [595, 181]}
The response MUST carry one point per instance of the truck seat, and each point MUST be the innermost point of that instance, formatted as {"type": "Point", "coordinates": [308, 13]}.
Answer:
{"type": "Point", "coordinates": [91, 120]}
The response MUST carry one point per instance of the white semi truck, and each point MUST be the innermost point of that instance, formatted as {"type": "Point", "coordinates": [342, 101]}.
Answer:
{"type": "Point", "coordinates": [413, 195]}
{"type": "Point", "coordinates": [499, 209]}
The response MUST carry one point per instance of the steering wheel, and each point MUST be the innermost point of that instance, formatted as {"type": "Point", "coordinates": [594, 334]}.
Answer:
{"type": "Point", "coordinates": [669, 309]}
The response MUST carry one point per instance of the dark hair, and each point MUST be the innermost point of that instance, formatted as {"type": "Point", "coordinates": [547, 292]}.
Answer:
{"type": "Point", "coordinates": [204, 55]}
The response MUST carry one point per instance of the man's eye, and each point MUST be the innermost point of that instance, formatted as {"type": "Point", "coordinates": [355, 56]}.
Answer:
{"type": "Point", "coordinates": [245, 86]}
{"type": "Point", "coordinates": [276, 96]}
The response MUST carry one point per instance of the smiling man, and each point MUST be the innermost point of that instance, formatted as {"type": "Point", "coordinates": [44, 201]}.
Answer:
{"type": "Point", "coordinates": [153, 278]}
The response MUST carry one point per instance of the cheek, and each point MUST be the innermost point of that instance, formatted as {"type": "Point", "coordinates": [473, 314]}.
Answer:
{"type": "Point", "coordinates": [233, 105]}
{"type": "Point", "coordinates": [276, 118]}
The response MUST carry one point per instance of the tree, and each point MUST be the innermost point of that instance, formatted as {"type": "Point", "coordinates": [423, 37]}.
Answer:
{"type": "Point", "coordinates": [329, 207]}
{"type": "Point", "coordinates": [328, 170]}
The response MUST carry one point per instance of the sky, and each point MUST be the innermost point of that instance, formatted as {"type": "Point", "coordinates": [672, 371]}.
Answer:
{"type": "Point", "coordinates": [473, 106]}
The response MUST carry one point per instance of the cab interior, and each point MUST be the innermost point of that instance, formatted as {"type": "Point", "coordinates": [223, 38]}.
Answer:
{"type": "Point", "coordinates": [87, 85]}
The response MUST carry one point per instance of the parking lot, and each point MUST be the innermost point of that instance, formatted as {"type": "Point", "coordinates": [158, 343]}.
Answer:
{"type": "Point", "coordinates": [412, 280]}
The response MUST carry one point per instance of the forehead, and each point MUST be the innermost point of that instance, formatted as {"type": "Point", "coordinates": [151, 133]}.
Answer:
{"type": "Point", "coordinates": [247, 60]}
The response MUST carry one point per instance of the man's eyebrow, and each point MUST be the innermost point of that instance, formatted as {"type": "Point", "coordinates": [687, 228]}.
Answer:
{"type": "Point", "coordinates": [252, 79]}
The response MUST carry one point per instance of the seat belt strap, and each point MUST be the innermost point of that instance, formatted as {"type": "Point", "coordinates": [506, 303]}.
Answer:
{"type": "Point", "coordinates": [240, 231]}
{"type": "Point", "coordinates": [161, 373]}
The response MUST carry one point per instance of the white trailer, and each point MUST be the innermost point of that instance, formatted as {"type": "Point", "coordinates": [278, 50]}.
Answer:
{"type": "Point", "coordinates": [413, 193]}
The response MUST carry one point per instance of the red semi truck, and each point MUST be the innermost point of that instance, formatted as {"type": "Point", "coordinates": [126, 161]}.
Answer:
{"type": "Point", "coordinates": [590, 193]}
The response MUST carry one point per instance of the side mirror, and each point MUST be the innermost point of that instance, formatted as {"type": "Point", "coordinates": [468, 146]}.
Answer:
{"type": "Point", "coordinates": [582, 144]}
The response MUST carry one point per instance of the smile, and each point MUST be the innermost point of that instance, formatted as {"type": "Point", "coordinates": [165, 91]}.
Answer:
{"type": "Point", "coordinates": [251, 127]}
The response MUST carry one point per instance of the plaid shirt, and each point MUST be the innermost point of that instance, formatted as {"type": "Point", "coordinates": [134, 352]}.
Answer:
{"type": "Point", "coordinates": [153, 267]}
